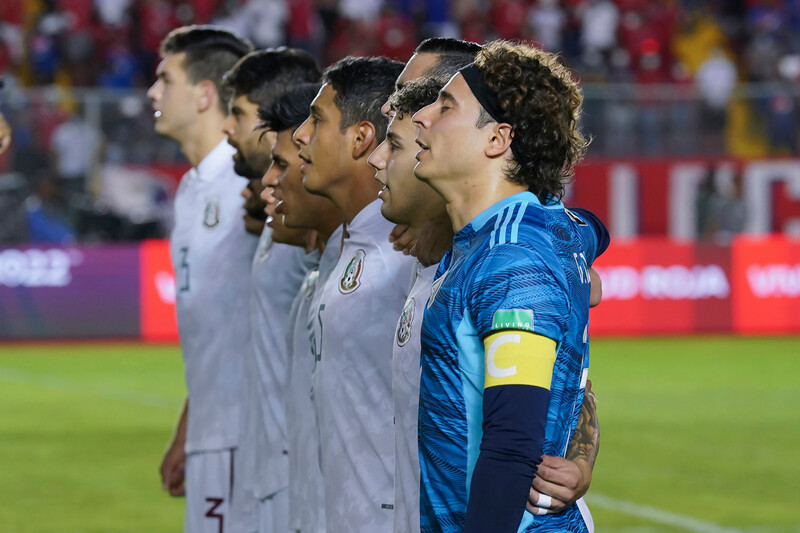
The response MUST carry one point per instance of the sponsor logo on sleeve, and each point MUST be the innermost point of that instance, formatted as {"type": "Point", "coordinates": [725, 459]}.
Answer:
{"type": "Point", "coordinates": [513, 319]}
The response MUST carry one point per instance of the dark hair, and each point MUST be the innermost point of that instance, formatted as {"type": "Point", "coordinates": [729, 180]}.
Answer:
{"type": "Point", "coordinates": [543, 104]}
{"type": "Point", "coordinates": [415, 95]}
{"type": "Point", "coordinates": [290, 109]}
{"type": "Point", "coordinates": [210, 52]}
{"type": "Point", "coordinates": [263, 75]}
{"type": "Point", "coordinates": [453, 55]}
{"type": "Point", "coordinates": [362, 86]}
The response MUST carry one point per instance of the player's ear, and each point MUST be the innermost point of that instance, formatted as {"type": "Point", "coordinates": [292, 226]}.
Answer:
{"type": "Point", "coordinates": [363, 138]}
{"type": "Point", "coordinates": [499, 140]}
{"type": "Point", "coordinates": [207, 95]}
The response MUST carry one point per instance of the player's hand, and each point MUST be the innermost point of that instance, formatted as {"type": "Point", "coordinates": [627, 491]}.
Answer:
{"type": "Point", "coordinates": [173, 470]}
{"type": "Point", "coordinates": [435, 238]}
{"type": "Point", "coordinates": [313, 242]}
{"type": "Point", "coordinates": [5, 134]}
{"type": "Point", "coordinates": [558, 484]}
{"type": "Point", "coordinates": [596, 291]}
{"type": "Point", "coordinates": [402, 239]}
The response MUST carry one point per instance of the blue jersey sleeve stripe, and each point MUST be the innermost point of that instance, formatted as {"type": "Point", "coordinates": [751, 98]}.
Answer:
{"type": "Point", "coordinates": [497, 222]}
{"type": "Point", "coordinates": [515, 227]}
{"type": "Point", "coordinates": [501, 235]}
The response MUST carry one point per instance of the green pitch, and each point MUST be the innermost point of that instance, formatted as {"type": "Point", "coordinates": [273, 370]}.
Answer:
{"type": "Point", "coordinates": [697, 434]}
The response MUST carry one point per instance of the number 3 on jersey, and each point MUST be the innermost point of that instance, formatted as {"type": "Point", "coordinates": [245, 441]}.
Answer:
{"type": "Point", "coordinates": [183, 274]}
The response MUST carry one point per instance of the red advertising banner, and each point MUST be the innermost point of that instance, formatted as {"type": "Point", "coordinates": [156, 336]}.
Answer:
{"type": "Point", "coordinates": [651, 286]}
{"type": "Point", "coordinates": [766, 275]}
{"type": "Point", "coordinates": [659, 287]}
{"type": "Point", "coordinates": [157, 282]}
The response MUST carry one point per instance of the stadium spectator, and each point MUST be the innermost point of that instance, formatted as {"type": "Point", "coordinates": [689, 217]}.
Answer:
{"type": "Point", "coordinates": [75, 148]}
{"type": "Point", "coordinates": [113, 12]}
{"type": "Point", "coordinates": [5, 134]}
{"type": "Point", "coordinates": [546, 22]}
{"type": "Point", "coordinates": [715, 79]}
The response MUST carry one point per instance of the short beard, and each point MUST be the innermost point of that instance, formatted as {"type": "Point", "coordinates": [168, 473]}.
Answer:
{"type": "Point", "coordinates": [244, 169]}
{"type": "Point", "coordinates": [256, 213]}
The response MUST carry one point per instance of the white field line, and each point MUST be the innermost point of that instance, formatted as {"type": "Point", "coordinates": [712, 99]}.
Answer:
{"type": "Point", "coordinates": [49, 381]}
{"type": "Point", "coordinates": [655, 515]}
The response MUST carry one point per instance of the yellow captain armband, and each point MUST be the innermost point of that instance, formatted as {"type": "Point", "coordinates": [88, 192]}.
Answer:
{"type": "Point", "coordinates": [518, 357]}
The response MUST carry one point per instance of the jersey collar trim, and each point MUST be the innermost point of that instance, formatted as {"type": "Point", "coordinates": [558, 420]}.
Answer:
{"type": "Point", "coordinates": [480, 221]}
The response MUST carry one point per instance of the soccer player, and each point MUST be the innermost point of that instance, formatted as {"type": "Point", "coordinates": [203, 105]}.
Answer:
{"type": "Point", "coordinates": [211, 254]}
{"type": "Point", "coordinates": [297, 208]}
{"type": "Point", "coordinates": [561, 481]}
{"type": "Point", "coordinates": [504, 339]}
{"type": "Point", "coordinates": [411, 202]}
{"type": "Point", "coordinates": [261, 469]}
{"type": "Point", "coordinates": [358, 309]}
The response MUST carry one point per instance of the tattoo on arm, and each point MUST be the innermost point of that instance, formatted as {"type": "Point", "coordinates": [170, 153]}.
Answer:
{"type": "Point", "coordinates": [585, 442]}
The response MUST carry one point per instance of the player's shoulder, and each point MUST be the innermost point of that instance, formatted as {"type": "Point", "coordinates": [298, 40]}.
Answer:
{"type": "Point", "coordinates": [520, 233]}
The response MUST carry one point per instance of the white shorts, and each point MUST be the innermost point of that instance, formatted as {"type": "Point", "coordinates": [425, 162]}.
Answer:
{"type": "Point", "coordinates": [209, 481]}
{"type": "Point", "coordinates": [274, 513]}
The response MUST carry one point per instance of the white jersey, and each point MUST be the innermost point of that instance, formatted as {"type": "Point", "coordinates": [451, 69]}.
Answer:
{"type": "Point", "coordinates": [306, 494]}
{"type": "Point", "coordinates": [211, 255]}
{"type": "Point", "coordinates": [262, 463]}
{"type": "Point", "coordinates": [405, 389]}
{"type": "Point", "coordinates": [357, 317]}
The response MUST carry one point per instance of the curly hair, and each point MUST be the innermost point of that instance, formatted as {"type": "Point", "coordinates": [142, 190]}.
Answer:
{"type": "Point", "coordinates": [544, 105]}
{"type": "Point", "coordinates": [415, 95]}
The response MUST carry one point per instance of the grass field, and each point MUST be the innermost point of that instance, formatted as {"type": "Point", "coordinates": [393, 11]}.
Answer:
{"type": "Point", "coordinates": [699, 434]}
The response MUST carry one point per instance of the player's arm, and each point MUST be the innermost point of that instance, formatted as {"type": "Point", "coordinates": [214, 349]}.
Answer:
{"type": "Point", "coordinates": [565, 480]}
{"type": "Point", "coordinates": [173, 466]}
{"type": "Point", "coordinates": [594, 233]}
{"type": "Point", "coordinates": [519, 368]}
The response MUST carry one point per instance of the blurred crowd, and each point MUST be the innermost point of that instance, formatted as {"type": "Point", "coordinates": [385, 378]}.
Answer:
{"type": "Point", "coordinates": [661, 78]}
{"type": "Point", "coordinates": [114, 43]}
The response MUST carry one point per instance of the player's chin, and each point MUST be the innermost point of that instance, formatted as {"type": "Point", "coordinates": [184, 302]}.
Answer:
{"type": "Point", "coordinates": [386, 209]}
{"type": "Point", "coordinates": [254, 226]}
{"type": "Point", "coordinates": [312, 182]}
{"type": "Point", "coordinates": [422, 170]}
{"type": "Point", "coordinates": [160, 126]}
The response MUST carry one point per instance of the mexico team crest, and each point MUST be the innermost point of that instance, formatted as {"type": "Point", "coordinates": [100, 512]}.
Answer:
{"type": "Point", "coordinates": [435, 288]}
{"type": "Point", "coordinates": [211, 214]}
{"type": "Point", "coordinates": [351, 278]}
{"type": "Point", "coordinates": [405, 323]}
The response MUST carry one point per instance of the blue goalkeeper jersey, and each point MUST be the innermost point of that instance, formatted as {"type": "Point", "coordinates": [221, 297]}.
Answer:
{"type": "Point", "coordinates": [519, 266]}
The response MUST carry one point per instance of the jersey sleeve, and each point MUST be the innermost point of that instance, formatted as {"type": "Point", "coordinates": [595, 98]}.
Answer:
{"type": "Point", "coordinates": [515, 288]}
{"type": "Point", "coordinates": [593, 232]}
{"type": "Point", "coordinates": [518, 305]}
